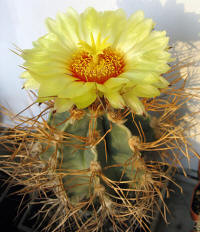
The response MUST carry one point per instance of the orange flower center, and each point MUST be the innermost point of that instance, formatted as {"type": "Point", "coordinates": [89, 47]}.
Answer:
{"type": "Point", "coordinates": [90, 67]}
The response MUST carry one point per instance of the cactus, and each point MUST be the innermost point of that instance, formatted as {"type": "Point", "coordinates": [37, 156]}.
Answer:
{"type": "Point", "coordinates": [98, 165]}
{"type": "Point", "coordinates": [104, 155]}
{"type": "Point", "coordinates": [100, 161]}
{"type": "Point", "coordinates": [113, 156]}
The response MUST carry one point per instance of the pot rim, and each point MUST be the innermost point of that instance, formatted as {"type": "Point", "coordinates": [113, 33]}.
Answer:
{"type": "Point", "coordinates": [194, 216]}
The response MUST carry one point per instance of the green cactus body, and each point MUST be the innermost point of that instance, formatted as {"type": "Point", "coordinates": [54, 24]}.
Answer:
{"type": "Point", "coordinates": [95, 158]}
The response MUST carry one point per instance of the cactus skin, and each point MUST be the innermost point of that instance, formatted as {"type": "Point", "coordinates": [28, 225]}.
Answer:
{"type": "Point", "coordinates": [98, 161]}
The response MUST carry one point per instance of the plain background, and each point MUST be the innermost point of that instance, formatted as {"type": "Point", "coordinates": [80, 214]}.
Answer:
{"type": "Point", "coordinates": [22, 21]}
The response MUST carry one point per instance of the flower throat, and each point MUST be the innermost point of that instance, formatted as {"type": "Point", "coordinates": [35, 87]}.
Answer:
{"type": "Point", "coordinates": [98, 62]}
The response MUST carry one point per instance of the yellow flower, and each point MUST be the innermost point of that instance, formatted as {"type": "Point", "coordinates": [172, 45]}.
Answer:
{"type": "Point", "coordinates": [98, 54]}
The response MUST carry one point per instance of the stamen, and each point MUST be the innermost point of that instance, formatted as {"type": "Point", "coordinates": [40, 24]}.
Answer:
{"type": "Point", "coordinates": [97, 68]}
{"type": "Point", "coordinates": [96, 62]}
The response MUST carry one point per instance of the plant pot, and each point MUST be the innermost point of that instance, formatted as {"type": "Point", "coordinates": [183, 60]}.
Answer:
{"type": "Point", "coordinates": [199, 169]}
{"type": "Point", "coordinates": [195, 203]}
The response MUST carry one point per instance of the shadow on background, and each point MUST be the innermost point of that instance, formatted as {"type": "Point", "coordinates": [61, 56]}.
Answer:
{"type": "Point", "coordinates": [180, 25]}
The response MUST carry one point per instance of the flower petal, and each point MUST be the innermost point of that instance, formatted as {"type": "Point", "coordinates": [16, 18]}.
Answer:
{"type": "Point", "coordinates": [145, 91]}
{"type": "Point", "coordinates": [85, 100]}
{"type": "Point", "coordinates": [62, 105]}
{"type": "Point", "coordinates": [89, 20]}
{"type": "Point", "coordinates": [65, 26]}
{"type": "Point", "coordinates": [161, 83]}
{"type": "Point", "coordinates": [30, 83]}
{"type": "Point", "coordinates": [134, 103]}
{"type": "Point", "coordinates": [77, 89]}
{"type": "Point", "coordinates": [136, 30]}
{"type": "Point", "coordinates": [115, 99]}
{"type": "Point", "coordinates": [139, 64]}
{"type": "Point", "coordinates": [150, 54]}
{"type": "Point", "coordinates": [115, 83]}
{"type": "Point", "coordinates": [112, 25]}
{"type": "Point", "coordinates": [53, 87]}
{"type": "Point", "coordinates": [142, 77]}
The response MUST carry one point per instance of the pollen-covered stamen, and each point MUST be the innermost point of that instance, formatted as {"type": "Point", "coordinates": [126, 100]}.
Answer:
{"type": "Point", "coordinates": [96, 62]}
{"type": "Point", "coordinates": [110, 63]}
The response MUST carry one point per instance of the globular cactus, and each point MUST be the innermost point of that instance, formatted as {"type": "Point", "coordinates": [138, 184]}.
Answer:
{"type": "Point", "coordinates": [110, 144]}
{"type": "Point", "coordinates": [97, 156]}
{"type": "Point", "coordinates": [98, 166]}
